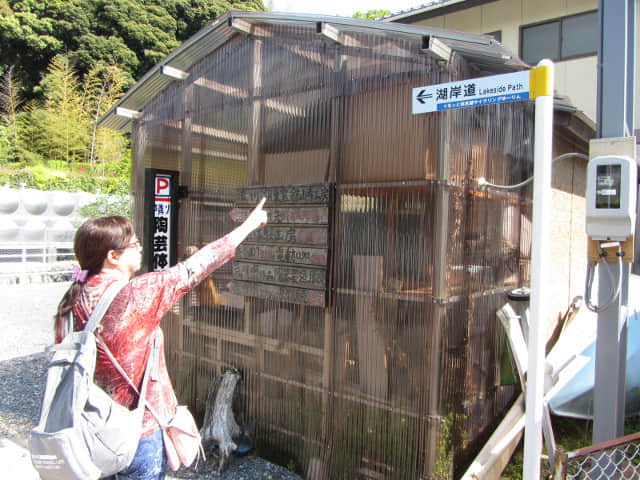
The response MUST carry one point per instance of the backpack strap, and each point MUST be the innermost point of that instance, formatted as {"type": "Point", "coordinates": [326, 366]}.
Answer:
{"type": "Point", "coordinates": [150, 374]}
{"type": "Point", "coordinates": [69, 323]}
{"type": "Point", "coordinates": [103, 305]}
{"type": "Point", "coordinates": [153, 371]}
{"type": "Point", "coordinates": [151, 367]}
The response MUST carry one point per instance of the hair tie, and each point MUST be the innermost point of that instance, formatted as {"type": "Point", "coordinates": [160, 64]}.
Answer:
{"type": "Point", "coordinates": [78, 274]}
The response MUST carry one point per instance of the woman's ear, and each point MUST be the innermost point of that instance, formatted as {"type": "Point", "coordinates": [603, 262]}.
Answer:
{"type": "Point", "coordinates": [112, 259]}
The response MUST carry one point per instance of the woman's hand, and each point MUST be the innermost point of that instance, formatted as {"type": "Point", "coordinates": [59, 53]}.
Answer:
{"type": "Point", "coordinates": [256, 219]}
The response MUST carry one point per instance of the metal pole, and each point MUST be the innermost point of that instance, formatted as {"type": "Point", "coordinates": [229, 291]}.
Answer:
{"type": "Point", "coordinates": [616, 65]}
{"type": "Point", "coordinates": [540, 259]}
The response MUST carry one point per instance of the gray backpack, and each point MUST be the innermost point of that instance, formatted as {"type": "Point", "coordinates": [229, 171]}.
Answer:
{"type": "Point", "coordinates": [83, 434]}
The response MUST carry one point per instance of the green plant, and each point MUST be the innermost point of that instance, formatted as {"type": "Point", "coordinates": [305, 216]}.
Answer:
{"type": "Point", "coordinates": [112, 180]}
{"type": "Point", "coordinates": [444, 460]}
{"type": "Point", "coordinates": [66, 121]}
{"type": "Point", "coordinates": [451, 433]}
{"type": "Point", "coordinates": [107, 205]}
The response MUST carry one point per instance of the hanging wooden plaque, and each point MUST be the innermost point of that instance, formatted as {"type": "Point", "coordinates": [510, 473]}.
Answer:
{"type": "Point", "coordinates": [288, 259]}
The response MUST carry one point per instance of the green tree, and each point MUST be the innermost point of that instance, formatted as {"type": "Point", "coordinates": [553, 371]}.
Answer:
{"type": "Point", "coordinates": [66, 121]}
{"type": "Point", "coordinates": [10, 101]}
{"type": "Point", "coordinates": [372, 14]}
{"type": "Point", "coordinates": [133, 33]}
{"type": "Point", "coordinates": [192, 15]}
{"type": "Point", "coordinates": [28, 40]}
{"type": "Point", "coordinates": [5, 9]}
{"type": "Point", "coordinates": [74, 59]}
{"type": "Point", "coordinates": [103, 86]}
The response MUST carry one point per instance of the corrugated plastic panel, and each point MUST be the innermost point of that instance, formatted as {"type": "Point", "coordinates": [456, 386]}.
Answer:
{"type": "Point", "coordinates": [399, 376]}
{"type": "Point", "coordinates": [480, 49]}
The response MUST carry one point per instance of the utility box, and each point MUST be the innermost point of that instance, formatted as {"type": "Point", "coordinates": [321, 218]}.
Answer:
{"type": "Point", "coordinates": [612, 186]}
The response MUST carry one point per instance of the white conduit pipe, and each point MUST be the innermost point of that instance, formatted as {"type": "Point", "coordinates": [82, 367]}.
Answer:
{"type": "Point", "coordinates": [540, 262]}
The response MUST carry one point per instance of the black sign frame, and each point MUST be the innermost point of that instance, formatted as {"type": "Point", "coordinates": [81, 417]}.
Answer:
{"type": "Point", "coordinates": [149, 217]}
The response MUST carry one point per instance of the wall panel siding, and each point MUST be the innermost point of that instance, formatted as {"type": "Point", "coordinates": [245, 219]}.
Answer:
{"type": "Point", "coordinates": [399, 374]}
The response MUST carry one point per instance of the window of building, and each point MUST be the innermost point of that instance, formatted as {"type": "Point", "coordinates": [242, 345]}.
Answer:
{"type": "Point", "coordinates": [560, 39]}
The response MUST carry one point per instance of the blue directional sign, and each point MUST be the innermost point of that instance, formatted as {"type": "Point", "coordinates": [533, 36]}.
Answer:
{"type": "Point", "coordinates": [509, 87]}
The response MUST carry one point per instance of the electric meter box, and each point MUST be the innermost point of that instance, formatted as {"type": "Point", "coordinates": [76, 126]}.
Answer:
{"type": "Point", "coordinates": [611, 197]}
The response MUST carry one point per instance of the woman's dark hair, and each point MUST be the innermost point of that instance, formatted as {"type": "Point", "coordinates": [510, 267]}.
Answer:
{"type": "Point", "coordinates": [92, 242]}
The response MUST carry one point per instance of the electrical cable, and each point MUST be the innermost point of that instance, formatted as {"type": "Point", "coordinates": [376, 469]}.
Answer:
{"type": "Point", "coordinates": [589, 281]}
{"type": "Point", "coordinates": [483, 182]}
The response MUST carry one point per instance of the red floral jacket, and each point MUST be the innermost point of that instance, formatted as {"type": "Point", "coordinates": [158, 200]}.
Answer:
{"type": "Point", "coordinates": [134, 316]}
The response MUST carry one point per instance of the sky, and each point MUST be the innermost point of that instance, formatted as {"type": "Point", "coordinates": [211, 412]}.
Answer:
{"type": "Point", "coordinates": [345, 8]}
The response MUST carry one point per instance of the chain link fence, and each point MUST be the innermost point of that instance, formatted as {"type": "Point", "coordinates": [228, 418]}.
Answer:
{"type": "Point", "coordinates": [617, 459]}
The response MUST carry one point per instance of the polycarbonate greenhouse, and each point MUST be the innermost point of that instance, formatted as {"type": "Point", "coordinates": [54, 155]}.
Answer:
{"type": "Point", "coordinates": [363, 316]}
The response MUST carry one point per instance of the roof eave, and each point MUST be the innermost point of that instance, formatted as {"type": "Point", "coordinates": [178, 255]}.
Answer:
{"type": "Point", "coordinates": [433, 9]}
{"type": "Point", "coordinates": [481, 48]}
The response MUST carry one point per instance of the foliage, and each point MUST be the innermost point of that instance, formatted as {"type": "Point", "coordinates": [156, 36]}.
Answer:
{"type": "Point", "coordinates": [10, 102]}
{"type": "Point", "coordinates": [5, 9]}
{"type": "Point", "coordinates": [5, 142]}
{"type": "Point", "coordinates": [103, 85]}
{"type": "Point", "coordinates": [106, 205]}
{"type": "Point", "coordinates": [63, 64]}
{"type": "Point", "coordinates": [372, 14]}
{"type": "Point", "coordinates": [66, 150]}
{"type": "Point", "coordinates": [444, 460]}
{"type": "Point", "coordinates": [110, 180]}
{"type": "Point", "coordinates": [65, 123]}
{"type": "Point", "coordinates": [133, 33]}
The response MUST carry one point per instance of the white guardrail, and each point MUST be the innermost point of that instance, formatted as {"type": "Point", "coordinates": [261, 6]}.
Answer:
{"type": "Point", "coordinates": [35, 262]}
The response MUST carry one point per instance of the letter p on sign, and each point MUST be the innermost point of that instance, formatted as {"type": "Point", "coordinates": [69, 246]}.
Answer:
{"type": "Point", "coordinates": [163, 186]}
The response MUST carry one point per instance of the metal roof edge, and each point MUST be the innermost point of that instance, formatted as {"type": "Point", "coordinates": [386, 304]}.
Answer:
{"type": "Point", "coordinates": [410, 12]}
{"type": "Point", "coordinates": [368, 25]}
{"type": "Point", "coordinates": [156, 70]}
{"type": "Point", "coordinates": [135, 97]}
{"type": "Point", "coordinates": [433, 9]}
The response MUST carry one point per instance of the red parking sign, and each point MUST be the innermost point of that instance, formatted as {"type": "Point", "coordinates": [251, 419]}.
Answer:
{"type": "Point", "coordinates": [163, 186]}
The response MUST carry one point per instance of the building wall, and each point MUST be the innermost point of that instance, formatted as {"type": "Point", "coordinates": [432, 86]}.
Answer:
{"type": "Point", "coordinates": [575, 78]}
{"type": "Point", "coordinates": [568, 235]}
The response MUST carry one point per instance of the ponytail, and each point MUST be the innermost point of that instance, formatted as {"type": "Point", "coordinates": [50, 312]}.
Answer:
{"type": "Point", "coordinates": [65, 306]}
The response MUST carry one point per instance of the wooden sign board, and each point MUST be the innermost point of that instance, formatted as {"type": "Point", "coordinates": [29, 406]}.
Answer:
{"type": "Point", "coordinates": [313, 298]}
{"type": "Point", "coordinates": [315, 236]}
{"type": "Point", "coordinates": [282, 275]}
{"type": "Point", "coordinates": [283, 254]}
{"type": "Point", "coordinates": [288, 259]}
{"type": "Point", "coordinates": [288, 215]}
{"type": "Point", "coordinates": [314, 193]}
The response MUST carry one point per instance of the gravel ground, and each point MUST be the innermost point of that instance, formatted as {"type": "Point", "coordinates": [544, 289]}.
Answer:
{"type": "Point", "coordinates": [26, 323]}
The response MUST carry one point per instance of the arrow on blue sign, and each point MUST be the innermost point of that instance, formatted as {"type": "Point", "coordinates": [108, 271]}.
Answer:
{"type": "Point", "coordinates": [422, 95]}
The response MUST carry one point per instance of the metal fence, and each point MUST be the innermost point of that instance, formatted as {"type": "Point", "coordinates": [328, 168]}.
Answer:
{"type": "Point", "coordinates": [35, 261]}
{"type": "Point", "coordinates": [617, 459]}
